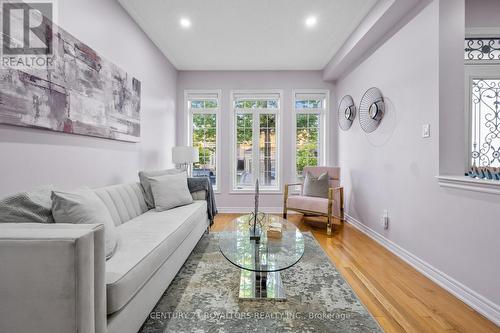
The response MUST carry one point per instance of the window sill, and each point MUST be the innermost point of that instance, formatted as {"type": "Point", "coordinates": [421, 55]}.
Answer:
{"type": "Point", "coordinates": [261, 191]}
{"type": "Point", "coordinates": [470, 184]}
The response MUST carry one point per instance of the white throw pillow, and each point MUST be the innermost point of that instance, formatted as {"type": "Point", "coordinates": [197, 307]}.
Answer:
{"type": "Point", "coordinates": [170, 191]}
{"type": "Point", "coordinates": [83, 206]}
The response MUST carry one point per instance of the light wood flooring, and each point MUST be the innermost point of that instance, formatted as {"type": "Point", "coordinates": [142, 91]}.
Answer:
{"type": "Point", "coordinates": [400, 298]}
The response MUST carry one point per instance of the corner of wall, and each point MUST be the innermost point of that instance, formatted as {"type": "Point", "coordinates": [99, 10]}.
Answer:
{"type": "Point", "coordinates": [452, 138]}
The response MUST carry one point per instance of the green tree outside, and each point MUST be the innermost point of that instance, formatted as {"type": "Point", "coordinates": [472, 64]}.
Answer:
{"type": "Point", "coordinates": [307, 141]}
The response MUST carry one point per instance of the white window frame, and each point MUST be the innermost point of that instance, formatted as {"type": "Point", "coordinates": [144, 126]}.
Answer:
{"type": "Point", "coordinates": [474, 72]}
{"type": "Point", "coordinates": [255, 143]}
{"type": "Point", "coordinates": [323, 153]}
{"type": "Point", "coordinates": [188, 112]}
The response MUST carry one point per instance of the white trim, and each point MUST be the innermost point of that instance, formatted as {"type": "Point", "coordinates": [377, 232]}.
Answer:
{"type": "Point", "coordinates": [324, 148]}
{"type": "Point", "coordinates": [476, 301]}
{"type": "Point", "coordinates": [255, 143]}
{"type": "Point", "coordinates": [243, 210]}
{"type": "Point", "coordinates": [187, 118]}
{"type": "Point", "coordinates": [470, 184]}
{"type": "Point", "coordinates": [262, 191]}
{"type": "Point", "coordinates": [482, 32]}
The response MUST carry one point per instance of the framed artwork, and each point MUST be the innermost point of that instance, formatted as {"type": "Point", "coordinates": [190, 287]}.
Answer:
{"type": "Point", "coordinates": [80, 93]}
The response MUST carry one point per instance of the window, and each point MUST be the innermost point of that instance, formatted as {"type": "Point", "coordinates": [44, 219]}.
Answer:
{"type": "Point", "coordinates": [479, 50]}
{"type": "Point", "coordinates": [256, 140]}
{"type": "Point", "coordinates": [485, 122]}
{"type": "Point", "coordinates": [482, 77]}
{"type": "Point", "coordinates": [310, 129]}
{"type": "Point", "coordinates": [204, 112]}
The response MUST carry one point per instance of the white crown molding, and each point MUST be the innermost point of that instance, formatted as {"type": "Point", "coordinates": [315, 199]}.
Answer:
{"type": "Point", "coordinates": [482, 32]}
{"type": "Point", "coordinates": [476, 301]}
{"type": "Point", "coordinates": [470, 184]}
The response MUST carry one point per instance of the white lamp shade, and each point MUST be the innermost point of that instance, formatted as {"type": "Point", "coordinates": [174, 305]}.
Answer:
{"type": "Point", "coordinates": [185, 154]}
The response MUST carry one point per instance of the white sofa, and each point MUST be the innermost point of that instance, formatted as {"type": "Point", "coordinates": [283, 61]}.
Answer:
{"type": "Point", "coordinates": [54, 277]}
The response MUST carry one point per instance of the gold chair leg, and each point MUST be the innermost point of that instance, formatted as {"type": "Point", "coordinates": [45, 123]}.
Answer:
{"type": "Point", "coordinates": [342, 213]}
{"type": "Point", "coordinates": [329, 226]}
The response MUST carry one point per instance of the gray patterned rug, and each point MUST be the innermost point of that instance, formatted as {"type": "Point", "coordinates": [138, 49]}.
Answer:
{"type": "Point", "coordinates": [203, 297]}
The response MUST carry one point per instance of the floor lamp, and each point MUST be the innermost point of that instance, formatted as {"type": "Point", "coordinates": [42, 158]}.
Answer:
{"type": "Point", "coordinates": [184, 157]}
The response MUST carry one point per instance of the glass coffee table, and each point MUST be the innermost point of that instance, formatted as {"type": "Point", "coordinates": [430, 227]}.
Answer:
{"type": "Point", "coordinates": [261, 262]}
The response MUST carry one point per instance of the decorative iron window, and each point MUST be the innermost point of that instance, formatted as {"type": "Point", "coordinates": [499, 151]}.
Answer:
{"type": "Point", "coordinates": [482, 49]}
{"type": "Point", "coordinates": [485, 122]}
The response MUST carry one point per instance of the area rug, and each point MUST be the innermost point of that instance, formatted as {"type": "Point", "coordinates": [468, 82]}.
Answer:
{"type": "Point", "coordinates": [203, 297]}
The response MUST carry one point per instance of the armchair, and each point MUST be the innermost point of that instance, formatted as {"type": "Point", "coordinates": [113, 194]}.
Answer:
{"type": "Point", "coordinates": [330, 207]}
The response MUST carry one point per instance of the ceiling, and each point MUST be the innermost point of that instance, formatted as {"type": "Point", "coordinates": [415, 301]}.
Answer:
{"type": "Point", "coordinates": [248, 34]}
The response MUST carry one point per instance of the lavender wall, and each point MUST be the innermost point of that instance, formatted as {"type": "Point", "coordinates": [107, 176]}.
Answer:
{"type": "Point", "coordinates": [32, 157]}
{"type": "Point", "coordinates": [233, 80]}
{"type": "Point", "coordinates": [454, 232]}
{"type": "Point", "coordinates": [482, 13]}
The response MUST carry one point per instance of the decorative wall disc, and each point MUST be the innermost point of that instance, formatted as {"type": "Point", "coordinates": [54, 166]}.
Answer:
{"type": "Point", "coordinates": [346, 112]}
{"type": "Point", "coordinates": [371, 110]}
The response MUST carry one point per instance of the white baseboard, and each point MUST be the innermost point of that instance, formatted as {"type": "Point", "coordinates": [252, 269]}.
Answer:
{"type": "Point", "coordinates": [274, 210]}
{"type": "Point", "coordinates": [476, 301]}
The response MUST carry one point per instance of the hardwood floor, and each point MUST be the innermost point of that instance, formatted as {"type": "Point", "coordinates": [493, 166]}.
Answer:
{"type": "Point", "coordinates": [399, 297]}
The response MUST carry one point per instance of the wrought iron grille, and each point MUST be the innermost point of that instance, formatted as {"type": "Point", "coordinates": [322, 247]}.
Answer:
{"type": "Point", "coordinates": [482, 49]}
{"type": "Point", "coordinates": [485, 119]}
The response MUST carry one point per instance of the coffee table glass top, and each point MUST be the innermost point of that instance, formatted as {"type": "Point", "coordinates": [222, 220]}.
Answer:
{"type": "Point", "coordinates": [268, 255]}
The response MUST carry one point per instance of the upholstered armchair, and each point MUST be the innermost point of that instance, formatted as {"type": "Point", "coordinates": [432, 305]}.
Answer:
{"type": "Point", "coordinates": [331, 207]}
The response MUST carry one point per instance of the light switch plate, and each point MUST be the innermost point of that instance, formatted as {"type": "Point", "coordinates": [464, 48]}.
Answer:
{"type": "Point", "coordinates": [426, 130]}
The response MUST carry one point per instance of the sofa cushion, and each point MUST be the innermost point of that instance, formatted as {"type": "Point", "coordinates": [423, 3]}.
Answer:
{"type": "Point", "coordinates": [146, 242]}
{"type": "Point", "coordinates": [313, 204]}
{"type": "Point", "coordinates": [124, 201]}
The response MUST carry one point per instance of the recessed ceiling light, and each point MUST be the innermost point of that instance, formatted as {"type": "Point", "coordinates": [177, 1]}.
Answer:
{"type": "Point", "coordinates": [185, 23]}
{"type": "Point", "coordinates": [311, 21]}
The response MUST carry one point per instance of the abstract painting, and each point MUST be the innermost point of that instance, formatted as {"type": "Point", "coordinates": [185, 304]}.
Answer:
{"type": "Point", "coordinates": [81, 93]}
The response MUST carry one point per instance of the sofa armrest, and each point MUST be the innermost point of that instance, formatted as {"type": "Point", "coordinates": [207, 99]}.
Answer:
{"type": "Point", "coordinates": [52, 278]}
{"type": "Point", "coordinates": [199, 195]}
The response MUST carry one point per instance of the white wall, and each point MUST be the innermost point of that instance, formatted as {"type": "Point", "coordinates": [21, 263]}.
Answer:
{"type": "Point", "coordinates": [31, 157]}
{"type": "Point", "coordinates": [233, 80]}
{"type": "Point", "coordinates": [394, 168]}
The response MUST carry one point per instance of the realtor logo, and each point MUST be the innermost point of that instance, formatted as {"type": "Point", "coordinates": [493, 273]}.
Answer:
{"type": "Point", "coordinates": [27, 35]}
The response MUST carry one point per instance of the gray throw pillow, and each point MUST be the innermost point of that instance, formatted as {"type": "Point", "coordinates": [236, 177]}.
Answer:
{"type": "Point", "coordinates": [146, 186]}
{"type": "Point", "coordinates": [316, 187]}
{"type": "Point", "coordinates": [83, 206]}
{"type": "Point", "coordinates": [28, 207]}
{"type": "Point", "coordinates": [170, 191]}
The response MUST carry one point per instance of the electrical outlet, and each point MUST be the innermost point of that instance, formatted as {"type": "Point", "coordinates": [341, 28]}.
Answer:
{"type": "Point", "coordinates": [385, 219]}
{"type": "Point", "coordinates": [426, 130]}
